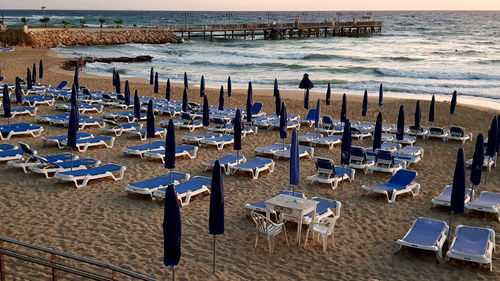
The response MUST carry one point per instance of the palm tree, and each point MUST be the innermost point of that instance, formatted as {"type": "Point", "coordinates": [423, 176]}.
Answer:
{"type": "Point", "coordinates": [25, 21]}
{"type": "Point", "coordinates": [118, 22]}
{"type": "Point", "coordinates": [65, 23]}
{"type": "Point", "coordinates": [45, 21]}
{"type": "Point", "coordinates": [83, 22]}
{"type": "Point", "coordinates": [102, 21]}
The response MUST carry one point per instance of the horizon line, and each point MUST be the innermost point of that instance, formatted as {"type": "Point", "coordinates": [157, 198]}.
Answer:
{"type": "Point", "coordinates": [344, 10]}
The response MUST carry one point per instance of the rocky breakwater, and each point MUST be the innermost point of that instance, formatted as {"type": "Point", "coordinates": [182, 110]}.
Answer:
{"type": "Point", "coordinates": [49, 38]}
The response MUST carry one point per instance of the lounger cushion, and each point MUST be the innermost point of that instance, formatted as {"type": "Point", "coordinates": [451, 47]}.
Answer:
{"type": "Point", "coordinates": [425, 232]}
{"type": "Point", "coordinates": [472, 241]}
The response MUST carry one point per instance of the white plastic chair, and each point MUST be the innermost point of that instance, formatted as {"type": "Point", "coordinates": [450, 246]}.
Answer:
{"type": "Point", "coordinates": [269, 228]}
{"type": "Point", "coordinates": [324, 228]}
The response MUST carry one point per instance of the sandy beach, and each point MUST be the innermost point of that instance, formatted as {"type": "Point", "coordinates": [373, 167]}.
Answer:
{"type": "Point", "coordinates": [101, 222]}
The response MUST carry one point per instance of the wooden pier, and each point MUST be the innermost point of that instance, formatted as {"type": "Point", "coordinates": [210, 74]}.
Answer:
{"type": "Point", "coordinates": [277, 30]}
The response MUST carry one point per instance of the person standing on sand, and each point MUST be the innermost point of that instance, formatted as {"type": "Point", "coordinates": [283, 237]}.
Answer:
{"type": "Point", "coordinates": [81, 63]}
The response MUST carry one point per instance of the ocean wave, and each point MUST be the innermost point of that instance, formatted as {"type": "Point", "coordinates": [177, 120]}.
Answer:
{"type": "Point", "coordinates": [403, 58]}
{"type": "Point", "coordinates": [435, 75]}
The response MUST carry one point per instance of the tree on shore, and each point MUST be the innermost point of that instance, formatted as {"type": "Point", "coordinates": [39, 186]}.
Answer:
{"type": "Point", "coordinates": [83, 22]}
{"type": "Point", "coordinates": [65, 23]}
{"type": "Point", "coordinates": [45, 20]}
{"type": "Point", "coordinates": [102, 21]}
{"type": "Point", "coordinates": [118, 22]}
{"type": "Point", "coordinates": [25, 20]}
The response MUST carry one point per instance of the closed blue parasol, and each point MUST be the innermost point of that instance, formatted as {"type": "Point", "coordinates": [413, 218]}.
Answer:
{"type": "Point", "coordinates": [497, 146]}
{"type": "Point", "coordinates": [18, 91]}
{"type": "Point", "coordinates": [277, 103]}
{"type": "Point", "coordinates": [171, 230]}
{"type": "Point", "coordinates": [40, 69]}
{"type": "Point", "coordinates": [202, 86]}
{"type": "Point", "coordinates": [156, 86]}
{"type": "Point", "coordinates": [317, 115]}
{"type": "Point", "coordinates": [186, 81]}
{"type": "Point", "coordinates": [453, 103]}
{"type": "Point", "coordinates": [6, 102]}
{"type": "Point", "coordinates": [275, 87]}
{"type": "Point", "coordinates": [377, 134]}
{"type": "Point", "coordinates": [216, 214]}
{"type": "Point", "coordinates": [33, 75]}
{"type": "Point", "coordinates": [167, 91]}
{"type": "Point", "coordinates": [294, 161]}
{"type": "Point", "coordinates": [364, 108]}
{"type": "Point", "coordinates": [151, 76]}
{"type": "Point", "coordinates": [431, 109]}
{"type": "Point", "coordinates": [118, 83]}
{"type": "Point", "coordinates": [343, 110]}
{"type": "Point", "coordinates": [380, 96]}
{"type": "Point", "coordinates": [283, 123]}
{"type": "Point", "coordinates": [229, 87]}
{"type": "Point", "coordinates": [249, 102]}
{"type": "Point", "coordinates": [492, 137]}
{"type": "Point", "coordinates": [237, 131]}
{"type": "Point", "coordinates": [221, 98]}
{"type": "Point", "coordinates": [206, 112]}
{"type": "Point", "coordinates": [150, 122]}
{"type": "Point", "coordinates": [72, 128]}
{"type": "Point", "coordinates": [28, 79]}
{"type": "Point", "coordinates": [345, 148]}
{"type": "Point", "coordinates": [185, 101]}
{"type": "Point", "coordinates": [328, 94]}
{"type": "Point", "coordinates": [170, 146]}
{"type": "Point", "coordinates": [74, 101]}
{"type": "Point", "coordinates": [76, 78]}
{"type": "Point", "coordinates": [418, 115]}
{"type": "Point", "coordinates": [126, 95]}
{"type": "Point", "coordinates": [306, 99]}
{"type": "Point", "coordinates": [137, 107]}
{"type": "Point", "coordinates": [400, 130]}
{"type": "Point", "coordinates": [114, 77]}
{"type": "Point", "coordinates": [477, 162]}
{"type": "Point", "coordinates": [458, 190]}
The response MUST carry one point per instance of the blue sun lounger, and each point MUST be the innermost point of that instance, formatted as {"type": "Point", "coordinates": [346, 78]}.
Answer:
{"type": "Point", "coordinates": [7, 146]}
{"type": "Point", "coordinates": [30, 158]}
{"type": "Point", "coordinates": [117, 129]}
{"type": "Point", "coordinates": [188, 189]}
{"type": "Point", "coordinates": [330, 141]}
{"type": "Point", "coordinates": [59, 139]}
{"type": "Point", "coordinates": [309, 137]}
{"type": "Point", "coordinates": [444, 199]}
{"type": "Point", "coordinates": [310, 118]}
{"type": "Point", "coordinates": [38, 100]}
{"type": "Point", "coordinates": [385, 162]}
{"type": "Point", "coordinates": [199, 137]}
{"type": "Point", "coordinates": [360, 159]}
{"type": "Point", "coordinates": [148, 187]}
{"type": "Point", "coordinates": [22, 111]}
{"type": "Point", "coordinates": [225, 162]}
{"type": "Point", "coordinates": [426, 234]}
{"type": "Point", "coordinates": [487, 202]}
{"type": "Point", "coordinates": [327, 173]}
{"type": "Point", "coordinates": [254, 166]}
{"type": "Point", "coordinates": [401, 182]}
{"type": "Point", "coordinates": [219, 142]}
{"type": "Point", "coordinates": [127, 115]}
{"type": "Point", "coordinates": [271, 149]}
{"type": "Point", "coordinates": [11, 154]}
{"type": "Point", "coordinates": [6, 131]}
{"type": "Point", "coordinates": [82, 107]}
{"type": "Point", "coordinates": [474, 244]}
{"type": "Point", "coordinates": [49, 167]}
{"type": "Point", "coordinates": [143, 148]}
{"type": "Point", "coordinates": [181, 150]}
{"type": "Point", "coordinates": [89, 174]}
{"type": "Point", "coordinates": [142, 133]}
{"type": "Point", "coordinates": [83, 144]}
{"type": "Point", "coordinates": [304, 151]}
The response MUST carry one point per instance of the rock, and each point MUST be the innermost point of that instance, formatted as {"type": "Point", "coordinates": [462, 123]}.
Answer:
{"type": "Point", "coordinates": [70, 64]}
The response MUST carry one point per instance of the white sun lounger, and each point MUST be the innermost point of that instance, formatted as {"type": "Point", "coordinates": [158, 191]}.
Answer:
{"type": "Point", "coordinates": [117, 129]}
{"type": "Point", "coordinates": [457, 133]}
{"type": "Point", "coordinates": [13, 154]}
{"type": "Point", "coordinates": [7, 131]}
{"type": "Point", "coordinates": [254, 166]}
{"type": "Point", "coordinates": [199, 137]}
{"type": "Point", "coordinates": [359, 158]}
{"type": "Point", "coordinates": [304, 151]}
{"type": "Point", "coordinates": [438, 132]}
{"type": "Point", "coordinates": [181, 150]}
{"type": "Point", "coordinates": [426, 234]}
{"type": "Point", "coordinates": [142, 133]}
{"type": "Point", "coordinates": [225, 162]}
{"type": "Point", "coordinates": [271, 149]}
{"type": "Point", "coordinates": [488, 162]}
{"type": "Point", "coordinates": [90, 174]}
{"type": "Point", "coordinates": [401, 182]}
{"type": "Point", "coordinates": [139, 150]}
{"type": "Point", "coordinates": [38, 100]}
{"type": "Point", "coordinates": [186, 190]}
{"type": "Point", "coordinates": [148, 187]}
{"type": "Point", "coordinates": [30, 159]}
{"type": "Point", "coordinates": [385, 162]}
{"type": "Point", "coordinates": [474, 244]}
{"type": "Point", "coordinates": [21, 111]}
{"type": "Point", "coordinates": [309, 137]}
{"type": "Point", "coordinates": [359, 133]}
{"type": "Point", "coordinates": [48, 167]}
{"type": "Point", "coordinates": [82, 107]}
{"type": "Point", "coordinates": [487, 202]}
{"type": "Point", "coordinates": [59, 139]}
{"type": "Point", "coordinates": [418, 132]}
{"type": "Point", "coordinates": [83, 144]}
{"type": "Point", "coordinates": [327, 173]}
{"type": "Point", "coordinates": [219, 142]}
{"type": "Point", "coordinates": [444, 199]}
{"type": "Point", "coordinates": [330, 141]}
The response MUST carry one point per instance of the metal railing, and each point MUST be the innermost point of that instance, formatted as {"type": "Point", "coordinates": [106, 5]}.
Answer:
{"type": "Point", "coordinates": [58, 265]}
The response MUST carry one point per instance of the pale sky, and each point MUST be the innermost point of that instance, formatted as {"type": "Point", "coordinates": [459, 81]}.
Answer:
{"type": "Point", "coordinates": [254, 5]}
